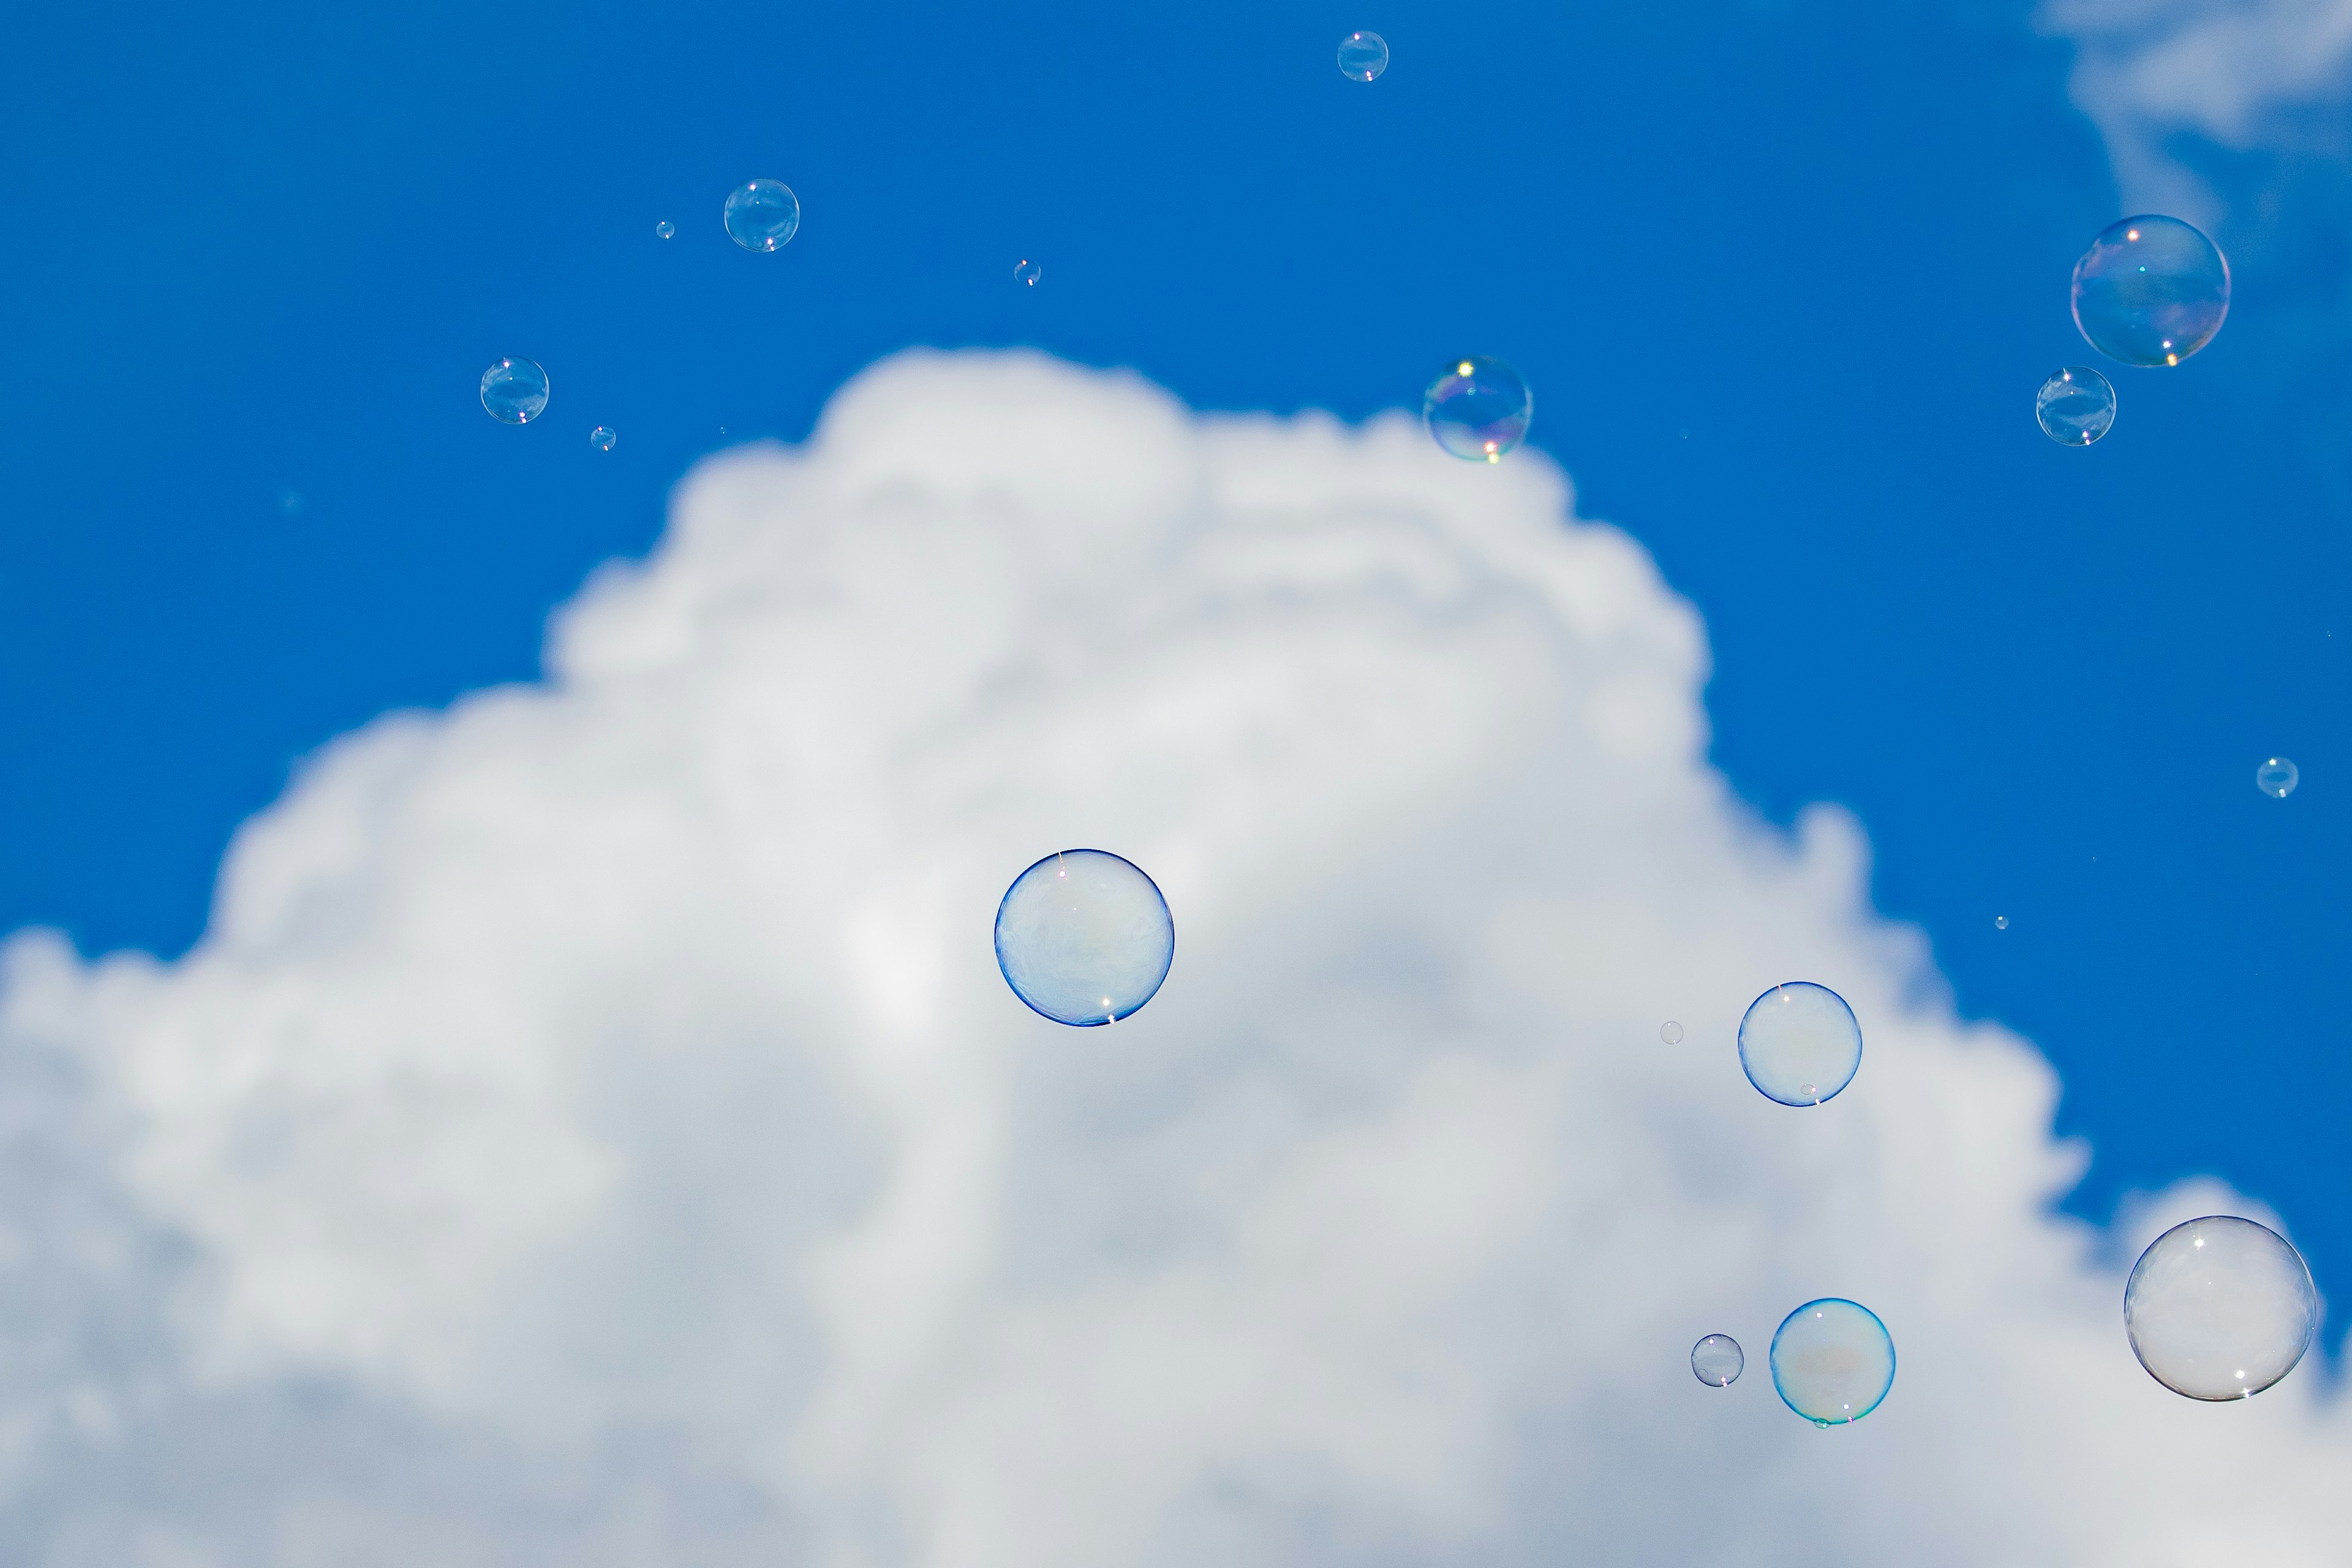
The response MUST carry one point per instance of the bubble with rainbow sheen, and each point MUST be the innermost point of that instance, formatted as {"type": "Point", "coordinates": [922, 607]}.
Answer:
{"type": "Point", "coordinates": [1478, 408]}
{"type": "Point", "coordinates": [2151, 290]}
{"type": "Point", "coordinates": [1832, 1361]}
{"type": "Point", "coordinates": [1800, 1043]}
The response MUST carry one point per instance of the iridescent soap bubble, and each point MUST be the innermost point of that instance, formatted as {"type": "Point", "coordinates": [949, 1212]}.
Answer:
{"type": "Point", "coordinates": [2075, 406]}
{"type": "Point", "coordinates": [1832, 1361]}
{"type": "Point", "coordinates": [1716, 1360]}
{"type": "Point", "coordinates": [2151, 290]}
{"type": "Point", "coordinates": [665, 229]}
{"type": "Point", "coordinates": [2277, 778]}
{"type": "Point", "coordinates": [1478, 408]}
{"type": "Point", "coordinates": [1027, 271]}
{"type": "Point", "coordinates": [1084, 937]}
{"type": "Point", "coordinates": [1799, 1044]}
{"type": "Point", "coordinates": [602, 438]}
{"type": "Point", "coordinates": [762, 213]}
{"type": "Point", "coordinates": [514, 391]}
{"type": "Point", "coordinates": [1671, 1032]}
{"type": "Point", "coordinates": [2220, 1308]}
{"type": "Point", "coordinates": [1363, 56]}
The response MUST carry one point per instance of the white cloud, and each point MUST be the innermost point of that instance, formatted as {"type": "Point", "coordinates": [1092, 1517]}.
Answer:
{"type": "Point", "coordinates": [594, 1128]}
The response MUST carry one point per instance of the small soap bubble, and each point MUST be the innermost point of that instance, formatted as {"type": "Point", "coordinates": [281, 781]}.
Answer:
{"type": "Point", "coordinates": [2075, 406]}
{"type": "Point", "coordinates": [2001, 923]}
{"type": "Point", "coordinates": [1717, 1362]}
{"type": "Point", "coordinates": [514, 391]}
{"type": "Point", "coordinates": [1363, 56]}
{"type": "Point", "coordinates": [1027, 271]}
{"type": "Point", "coordinates": [2220, 1308]}
{"type": "Point", "coordinates": [1084, 937]}
{"type": "Point", "coordinates": [665, 229]}
{"type": "Point", "coordinates": [1478, 408]}
{"type": "Point", "coordinates": [2277, 778]}
{"type": "Point", "coordinates": [1832, 1361]}
{"type": "Point", "coordinates": [761, 214]}
{"type": "Point", "coordinates": [289, 502]}
{"type": "Point", "coordinates": [1799, 1044]}
{"type": "Point", "coordinates": [1671, 1032]}
{"type": "Point", "coordinates": [2151, 290]}
{"type": "Point", "coordinates": [602, 438]}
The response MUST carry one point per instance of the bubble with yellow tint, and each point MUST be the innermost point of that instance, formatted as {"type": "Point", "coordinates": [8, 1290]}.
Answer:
{"type": "Point", "coordinates": [1478, 408]}
{"type": "Point", "coordinates": [1832, 1361]}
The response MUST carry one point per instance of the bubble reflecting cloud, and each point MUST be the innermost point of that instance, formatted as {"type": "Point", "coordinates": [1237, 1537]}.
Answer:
{"type": "Point", "coordinates": [762, 215]}
{"type": "Point", "coordinates": [2220, 1308]}
{"type": "Point", "coordinates": [2277, 778]}
{"type": "Point", "coordinates": [1832, 1361]}
{"type": "Point", "coordinates": [1717, 1360]}
{"type": "Point", "coordinates": [665, 229]}
{"type": "Point", "coordinates": [1799, 1043]}
{"type": "Point", "coordinates": [1478, 408]}
{"type": "Point", "coordinates": [2151, 290]}
{"type": "Point", "coordinates": [603, 437]}
{"type": "Point", "coordinates": [1084, 937]}
{"type": "Point", "coordinates": [2075, 406]}
{"type": "Point", "coordinates": [1363, 56]}
{"type": "Point", "coordinates": [514, 391]}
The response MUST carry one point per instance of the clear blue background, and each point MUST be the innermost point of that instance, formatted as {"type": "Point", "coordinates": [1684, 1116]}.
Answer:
{"type": "Point", "coordinates": [1784, 277]}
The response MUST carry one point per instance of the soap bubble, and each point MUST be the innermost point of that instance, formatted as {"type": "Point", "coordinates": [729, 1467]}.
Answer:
{"type": "Point", "coordinates": [2220, 1308]}
{"type": "Point", "coordinates": [514, 391]}
{"type": "Point", "coordinates": [1084, 937]}
{"type": "Point", "coordinates": [2151, 290]}
{"type": "Point", "coordinates": [1799, 1044]}
{"type": "Point", "coordinates": [2277, 778]}
{"type": "Point", "coordinates": [2075, 406]}
{"type": "Point", "coordinates": [1671, 1032]}
{"type": "Point", "coordinates": [289, 502]}
{"type": "Point", "coordinates": [1363, 56]}
{"type": "Point", "coordinates": [2001, 923]}
{"type": "Point", "coordinates": [665, 229]}
{"type": "Point", "coordinates": [1478, 408]}
{"type": "Point", "coordinates": [762, 213]}
{"type": "Point", "coordinates": [1027, 271]}
{"type": "Point", "coordinates": [602, 439]}
{"type": "Point", "coordinates": [1832, 1361]}
{"type": "Point", "coordinates": [1716, 1360]}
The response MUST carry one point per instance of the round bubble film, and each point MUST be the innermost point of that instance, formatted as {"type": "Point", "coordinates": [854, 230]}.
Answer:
{"type": "Point", "coordinates": [1671, 1032]}
{"type": "Point", "coordinates": [1363, 56]}
{"type": "Point", "coordinates": [1478, 408]}
{"type": "Point", "coordinates": [2277, 778]}
{"type": "Point", "coordinates": [603, 437]}
{"type": "Point", "coordinates": [1027, 271]}
{"type": "Point", "coordinates": [1799, 1043]}
{"type": "Point", "coordinates": [1717, 1362]}
{"type": "Point", "coordinates": [2220, 1308]}
{"type": "Point", "coordinates": [1084, 937]}
{"type": "Point", "coordinates": [2075, 406]}
{"type": "Point", "coordinates": [1832, 1361]}
{"type": "Point", "coordinates": [762, 213]}
{"type": "Point", "coordinates": [2151, 290]}
{"type": "Point", "coordinates": [665, 229]}
{"type": "Point", "coordinates": [514, 391]}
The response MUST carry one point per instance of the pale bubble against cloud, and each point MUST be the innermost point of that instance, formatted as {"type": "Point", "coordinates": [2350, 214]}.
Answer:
{"type": "Point", "coordinates": [594, 1130]}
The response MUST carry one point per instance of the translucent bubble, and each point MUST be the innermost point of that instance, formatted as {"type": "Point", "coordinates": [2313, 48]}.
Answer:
{"type": "Point", "coordinates": [1478, 408]}
{"type": "Point", "coordinates": [1084, 937]}
{"type": "Point", "coordinates": [290, 501]}
{"type": "Point", "coordinates": [1671, 1032]}
{"type": "Point", "coordinates": [2075, 406]}
{"type": "Point", "coordinates": [1363, 56]}
{"type": "Point", "coordinates": [665, 229]}
{"type": "Point", "coordinates": [762, 213]}
{"type": "Point", "coordinates": [2001, 923]}
{"type": "Point", "coordinates": [602, 438]}
{"type": "Point", "coordinates": [1027, 271]}
{"type": "Point", "coordinates": [1799, 1044]}
{"type": "Point", "coordinates": [2151, 290]}
{"type": "Point", "coordinates": [514, 391]}
{"type": "Point", "coordinates": [2220, 1308]}
{"type": "Point", "coordinates": [1832, 1361]}
{"type": "Point", "coordinates": [1716, 1360]}
{"type": "Point", "coordinates": [2277, 778]}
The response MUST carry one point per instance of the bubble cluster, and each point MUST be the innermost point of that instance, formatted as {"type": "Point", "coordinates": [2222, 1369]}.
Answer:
{"type": "Point", "coordinates": [1478, 408]}
{"type": "Point", "coordinates": [514, 391]}
{"type": "Point", "coordinates": [2277, 778]}
{"type": "Point", "coordinates": [2075, 406]}
{"type": "Point", "coordinates": [1832, 1361]}
{"type": "Point", "coordinates": [762, 215]}
{"type": "Point", "coordinates": [2151, 290]}
{"type": "Point", "coordinates": [1799, 1043]}
{"type": "Point", "coordinates": [1717, 1360]}
{"type": "Point", "coordinates": [1363, 56]}
{"type": "Point", "coordinates": [2220, 1308]}
{"type": "Point", "coordinates": [602, 438]}
{"type": "Point", "coordinates": [1084, 937]}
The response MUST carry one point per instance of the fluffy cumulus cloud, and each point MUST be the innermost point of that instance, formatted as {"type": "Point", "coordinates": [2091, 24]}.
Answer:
{"type": "Point", "coordinates": [593, 1130]}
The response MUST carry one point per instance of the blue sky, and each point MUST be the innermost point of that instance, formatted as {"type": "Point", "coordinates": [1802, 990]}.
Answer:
{"type": "Point", "coordinates": [1784, 278]}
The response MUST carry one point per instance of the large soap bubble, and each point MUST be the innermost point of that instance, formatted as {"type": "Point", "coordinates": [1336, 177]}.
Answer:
{"type": "Point", "coordinates": [1084, 937]}
{"type": "Point", "coordinates": [1799, 1043]}
{"type": "Point", "coordinates": [514, 391]}
{"type": "Point", "coordinates": [2220, 1308]}
{"type": "Point", "coordinates": [1832, 1361]}
{"type": "Point", "coordinates": [2075, 406]}
{"type": "Point", "coordinates": [761, 214]}
{"type": "Point", "coordinates": [2151, 290]}
{"type": "Point", "coordinates": [1478, 408]}
{"type": "Point", "coordinates": [1717, 1360]}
